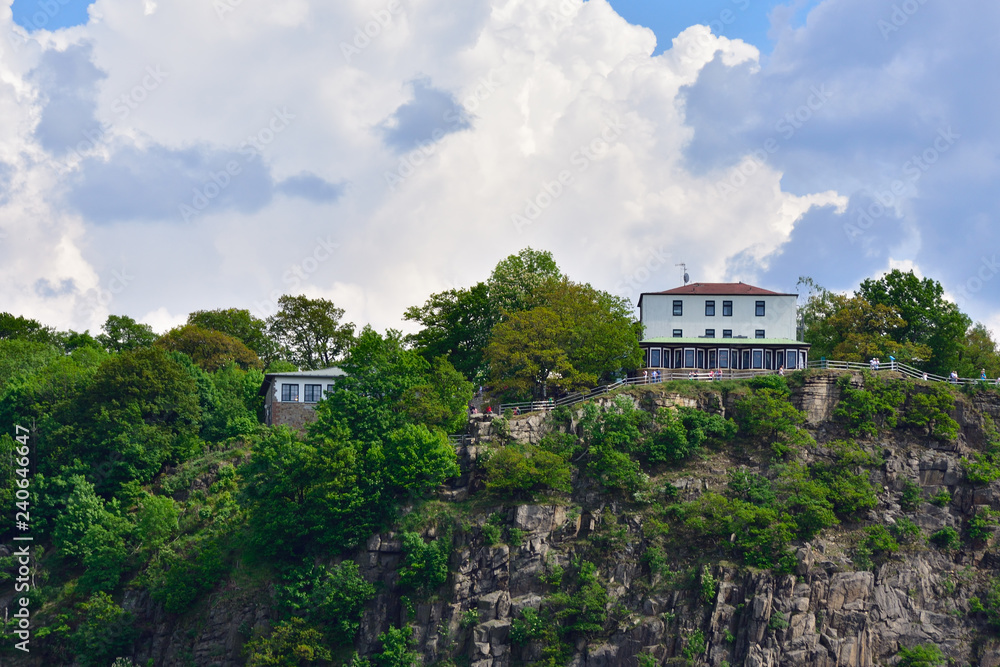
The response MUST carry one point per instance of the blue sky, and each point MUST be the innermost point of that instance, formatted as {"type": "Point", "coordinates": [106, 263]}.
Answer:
{"type": "Point", "coordinates": [748, 20]}
{"type": "Point", "coordinates": [160, 160]}
{"type": "Point", "coordinates": [49, 14]}
{"type": "Point", "coordinates": [741, 19]}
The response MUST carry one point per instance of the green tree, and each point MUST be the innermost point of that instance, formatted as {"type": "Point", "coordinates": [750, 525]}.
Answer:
{"type": "Point", "coordinates": [921, 655]}
{"type": "Point", "coordinates": [457, 325]}
{"type": "Point", "coordinates": [442, 400]}
{"type": "Point", "coordinates": [978, 352]}
{"type": "Point", "coordinates": [209, 349]}
{"type": "Point", "coordinates": [929, 319]}
{"type": "Point", "coordinates": [310, 331]}
{"type": "Point", "coordinates": [515, 281]}
{"type": "Point", "coordinates": [105, 631]}
{"type": "Point", "coordinates": [332, 598]}
{"type": "Point", "coordinates": [13, 327]}
{"type": "Point", "coordinates": [397, 648]}
{"type": "Point", "coordinates": [239, 324]}
{"type": "Point", "coordinates": [122, 333]}
{"type": "Point", "coordinates": [417, 460]}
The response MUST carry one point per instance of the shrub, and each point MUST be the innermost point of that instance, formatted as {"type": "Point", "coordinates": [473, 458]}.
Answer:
{"type": "Point", "coordinates": [769, 418]}
{"type": "Point", "coordinates": [180, 581]}
{"type": "Point", "coordinates": [492, 535]}
{"type": "Point", "coordinates": [922, 655]}
{"type": "Point", "coordinates": [105, 631]}
{"type": "Point", "coordinates": [290, 644]}
{"type": "Point", "coordinates": [910, 499]}
{"type": "Point", "coordinates": [425, 565]}
{"type": "Point", "coordinates": [928, 410]}
{"type": "Point", "coordinates": [334, 599]}
{"type": "Point", "coordinates": [865, 410]}
{"type": "Point", "coordinates": [682, 431]}
{"type": "Point", "coordinates": [905, 531]}
{"type": "Point", "coordinates": [945, 539]}
{"type": "Point", "coordinates": [397, 650]}
{"type": "Point", "coordinates": [583, 611]}
{"type": "Point", "coordinates": [529, 626]}
{"type": "Point", "coordinates": [980, 526]}
{"type": "Point", "coordinates": [778, 621]}
{"type": "Point", "coordinates": [695, 645]}
{"type": "Point", "coordinates": [877, 546]}
{"type": "Point", "coordinates": [521, 470]}
{"type": "Point", "coordinates": [942, 499]}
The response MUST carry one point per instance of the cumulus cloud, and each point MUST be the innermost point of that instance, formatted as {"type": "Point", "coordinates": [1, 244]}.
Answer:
{"type": "Point", "coordinates": [568, 135]}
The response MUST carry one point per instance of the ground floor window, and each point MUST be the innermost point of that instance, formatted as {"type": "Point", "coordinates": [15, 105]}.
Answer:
{"type": "Point", "coordinates": [289, 393]}
{"type": "Point", "coordinates": [654, 357]}
{"type": "Point", "coordinates": [313, 393]}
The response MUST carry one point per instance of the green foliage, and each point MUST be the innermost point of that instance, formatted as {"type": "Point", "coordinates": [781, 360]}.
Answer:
{"type": "Point", "coordinates": [905, 531]}
{"type": "Point", "coordinates": [928, 410]}
{"type": "Point", "coordinates": [530, 626]}
{"type": "Point", "coordinates": [846, 478]}
{"type": "Point", "coordinates": [941, 499]}
{"type": "Point", "coordinates": [521, 470]}
{"type": "Point", "coordinates": [778, 621]}
{"type": "Point", "coordinates": [928, 317]}
{"type": "Point", "coordinates": [470, 618]}
{"type": "Point", "coordinates": [397, 650]}
{"type": "Point", "coordinates": [492, 535]}
{"type": "Point", "coordinates": [104, 633]}
{"type": "Point", "coordinates": [417, 460]}
{"type": "Point", "coordinates": [989, 604]}
{"type": "Point", "coordinates": [766, 416]}
{"type": "Point", "coordinates": [332, 598]}
{"type": "Point", "coordinates": [608, 437]}
{"type": "Point", "coordinates": [911, 497]}
{"type": "Point", "coordinates": [178, 581]}
{"type": "Point", "coordinates": [442, 400]}
{"type": "Point", "coordinates": [695, 645]}
{"type": "Point", "coordinates": [866, 410]}
{"type": "Point", "coordinates": [583, 611]}
{"type": "Point", "coordinates": [946, 539]}
{"type": "Point", "coordinates": [425, 565]}
{"type": "Point", "coordinates": [682, 431]}
{"type": "Point", "coordinates": [876, 546]}
{"type": "Point", "coordinates": [980, 526]}
{"type": "Point", "coordinates": [292, 643]}
{"type": "Point", "coordinates": [709, 587]}
{"type": "Point", "coordinates": [922, 655]}
{"type": "Point", "coordinates": [122, 334]}
{"type": "Point", "coordinates": [239, 324]}
{"type": "Point", "coordinates": [209, 349]}
{"type": "Point", "coordinates": [309, 331]}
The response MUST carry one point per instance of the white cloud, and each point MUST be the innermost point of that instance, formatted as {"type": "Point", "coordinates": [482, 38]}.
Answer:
{"type": "Point", "coordinates": [578, 142]}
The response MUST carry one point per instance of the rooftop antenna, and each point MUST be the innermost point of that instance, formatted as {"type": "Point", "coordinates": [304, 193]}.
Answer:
{"type": "Point", "coordinates": [684, 268]}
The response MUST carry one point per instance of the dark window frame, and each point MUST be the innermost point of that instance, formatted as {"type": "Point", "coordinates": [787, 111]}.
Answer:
{"type": "Point", "coordinates": [287, 393]}
{"type": "Point", "coordinates": [312, 393]}
{"type": "Point", "coordinates": [709, 308]}
{"type": "Point", "coordinates": [678, 309]}
{"type": "Point", "coordinates": [727, 308]}
{"type": "Point", "coordinates": [759, 333]}
{"type": "Point", "coordinates": [759, 308]}
{"type": "Point", "coordinates": [727, 333]}
{"type": "Point", "coordinates": [709, 333]}
{"type": "Point", "coordinates": [678, 333]}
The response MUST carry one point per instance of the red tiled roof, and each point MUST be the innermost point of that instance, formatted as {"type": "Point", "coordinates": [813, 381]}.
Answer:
{"type": "Point", "coordinates": [720, 289]}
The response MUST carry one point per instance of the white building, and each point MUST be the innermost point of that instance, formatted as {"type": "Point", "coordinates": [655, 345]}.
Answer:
{"type": "Point", "coordinates": [721, 325]}
{"type": "Point", "coordinates": [289, 398]}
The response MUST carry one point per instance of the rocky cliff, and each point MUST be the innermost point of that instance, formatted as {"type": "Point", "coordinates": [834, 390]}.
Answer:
{"type": "Point", "coordinates": [663, 598]}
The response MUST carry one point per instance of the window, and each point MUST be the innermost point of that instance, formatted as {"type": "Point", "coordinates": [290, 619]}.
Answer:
{"type": "Point", "coordinates": [727, 333]}
{"type": "Point", "coordinates": [678, 308]}
{"type": "Point", "coordinates": [289, 393]}
{"type": "Point", "coordinates": [654, 358]}
{"type": "Point", "coordinates": [329, 388]}
{"type": "Point", "coordinates": [723, 358]}
{"type": "Point", "coordinates": [758, 358]}
{"type": "Point", "coordinates": [727, 308]}
{"type": "Point", "coordinates": [709, 309]}
{"type": "Point", "coordinates": [314, 392]}
{"type": "Point", "coordinates": [678, 333]}
{"type": "Point", "coordinates": [709, 333]}
{"type": "Point", "coordinates": [760, 309]}
{"type": "Point", "coordinates": [759, 333]}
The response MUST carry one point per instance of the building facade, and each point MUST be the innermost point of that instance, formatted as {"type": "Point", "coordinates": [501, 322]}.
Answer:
{"type": "Point", "coordinates": [290, 398]}
{"type": "Point", "coordinates": [721, 326]}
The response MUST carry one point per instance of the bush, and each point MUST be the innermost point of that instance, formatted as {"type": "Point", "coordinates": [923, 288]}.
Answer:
{"type": "Point", "coordinates": [333, 599]}
{"type": "Point", "coordinates": [695, 645]}
{"type": "Point", "coordinates": [425, 565]}
{"type": "Point", "coordinates": [292, 643]}
{"type": "Point", "coordinates": [928, 410]}
{"type": "Point", "coordinates": [778, 621]}
{"type": "Point", "coordinates": [945, 539]}
{"type": "Point", "coordinates": [910, 499]}
{"type": "Point", "coordinates": [905, 531]}
{"type": "Point", "coordinates": [942, 499]}
{"type": "Point", "coordinates": [768, 417]}
{"type": "Point", "coordinates": [682, 431]}
{"type": "Point", "coordinates": [922, 655]}
{"type": "Point", "coordinates": [183, 581]}
{"type": "Point", "coordinates": [877, 546]}
{"type": "Point", "coordinates": [104, 633]}
{"type": "Point", "coordinates": [980, 526]}
{"type": "Point", "coordinates": [397, 650]}
{"type": "Point", "coordinates": [521, 470]}
{"type": "Point", "coordinates": [865, 410]}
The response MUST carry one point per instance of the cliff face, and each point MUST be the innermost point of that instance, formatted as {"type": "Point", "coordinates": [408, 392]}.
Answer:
{"type": "Point", "coordinates": [830, 612]}
{"type": "Point", "coordinates": [695, 609]}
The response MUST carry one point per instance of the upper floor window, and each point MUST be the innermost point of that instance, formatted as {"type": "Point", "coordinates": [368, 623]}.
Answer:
{"type": "Point", "coordinates": [710, 309]}
{"type": "Point", "coordinates": [329, 388]}
{"type": "Point", "coordinates": [760, 309]}
{"type": "Point", "coordinates": [678, 308]}
{"type": "Point", "coordinates": [289, 393]}
{"type": "Point", "coordinates": [727, 333]}
{"type": "Point", "coordinates": [759, 333]}
{"type": "Point", "coordinates": [678, 333]}
{"type": "Point", "coordinates": [314, 392]}
{"type": "Point", "coordinates": [709, 333]}
{"type": "Point", "coordinates": [727, 308]}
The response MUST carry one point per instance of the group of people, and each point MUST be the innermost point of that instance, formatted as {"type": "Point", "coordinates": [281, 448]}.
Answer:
{"type": "Point", "coordinates": [646, 376]}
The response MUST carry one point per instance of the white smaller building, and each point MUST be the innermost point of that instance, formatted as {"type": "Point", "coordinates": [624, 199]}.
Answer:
{"type": "Point", "coordinates": [289, 398]}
